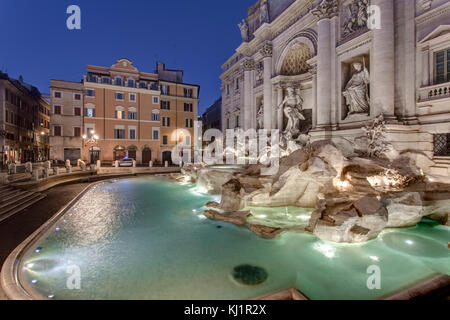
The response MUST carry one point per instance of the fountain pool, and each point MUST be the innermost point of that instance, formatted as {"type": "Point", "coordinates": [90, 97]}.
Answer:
{"type": "Point", "coordinates": [147, 238]}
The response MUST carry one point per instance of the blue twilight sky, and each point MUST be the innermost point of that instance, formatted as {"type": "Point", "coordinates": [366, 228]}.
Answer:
{"type": "Point", "coordinates": [196, 36]}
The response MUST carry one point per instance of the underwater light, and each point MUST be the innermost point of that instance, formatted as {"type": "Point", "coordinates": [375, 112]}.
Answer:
{"type": "Point", "coordinates": [375, 258]}
{"type": "Point", "coordinates": [326, 249]}
{"type": "Point", "coordinates": [409, 242]}
{"type": "Point", "coordinates": [30, 265]}
{"type": "Point", "coordinates": [34, 281]}
{"type": "Point", "coordinates": [58, 228]}
{"type": "Point", "coordinates": [51, 296]}
{"type": "Point", "coordinates": [38, 249]}
{"type": "Point", "coordinates": [262, 216]}
{"type": "Point", "coordinates": [194, 210]}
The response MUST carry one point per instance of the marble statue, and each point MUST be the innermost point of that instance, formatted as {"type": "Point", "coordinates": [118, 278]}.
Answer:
{"type": "Point", "coordinates": [264, 12]}
{"type": "Point", "coordinates": [260, 116]}
{"type": "Point", "coordinates": [356, 91]}
{"type": "Point", "coordinates": [292, 109]}
{"type": "Point", "coordinates": [356, 16]}
{"type": "Point", "coordinates": [244, 30]}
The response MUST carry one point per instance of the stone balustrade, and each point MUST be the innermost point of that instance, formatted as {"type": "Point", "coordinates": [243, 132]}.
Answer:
{"type": "Point", "coordinates": [435, 92]}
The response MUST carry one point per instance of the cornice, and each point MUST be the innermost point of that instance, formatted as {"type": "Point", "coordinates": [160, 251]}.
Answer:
{"type": "Point", "coordinates": [443, 9]}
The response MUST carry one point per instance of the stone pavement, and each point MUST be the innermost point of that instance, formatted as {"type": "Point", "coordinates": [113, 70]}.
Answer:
{"type": "Point", "coordinates": [17, 228]}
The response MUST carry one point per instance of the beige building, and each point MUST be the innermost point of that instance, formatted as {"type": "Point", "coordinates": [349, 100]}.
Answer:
{"type": "Point", "coordinates": [66, 99]}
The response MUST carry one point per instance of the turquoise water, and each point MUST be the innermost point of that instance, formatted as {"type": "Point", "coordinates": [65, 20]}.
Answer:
{"type": "Point", "coordinates": [148, 239]}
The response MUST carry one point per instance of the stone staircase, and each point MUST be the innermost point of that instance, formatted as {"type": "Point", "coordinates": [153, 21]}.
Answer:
{"type": "Point", "coordinates": [441, 167]}
{"type": "Point", "coordinates": [13, 200]}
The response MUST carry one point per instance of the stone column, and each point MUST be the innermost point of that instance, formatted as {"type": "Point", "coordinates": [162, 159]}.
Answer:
{"type": "Point", "coordinates": [266, 52]}
{"type": "Point", "coordinates": [248, 66]}
{"type": "Point", "coordinates": [280, 110]}
{"type": "Point", "coordinates": [313, 71]}
{"type": "Point", "coordinates": [383, 66]}
{"type": "Point", "coordinates": [326, 10]}
{"type": "Point", "coordinates": [426, 67]}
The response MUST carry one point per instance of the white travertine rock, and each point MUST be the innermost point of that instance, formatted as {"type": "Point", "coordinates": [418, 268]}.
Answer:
{"type": "Point", "coordinates": [404, 210]}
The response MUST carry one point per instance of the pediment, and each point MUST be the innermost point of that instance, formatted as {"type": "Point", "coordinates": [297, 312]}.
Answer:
{"type": "Point", "coordinates": [436, 33]}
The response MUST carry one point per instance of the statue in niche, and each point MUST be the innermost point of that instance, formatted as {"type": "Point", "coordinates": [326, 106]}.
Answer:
{"type": "Point", "coordinates": [260, 115]}
{"type": "Point", "coordinates": [244, 30]}
{"type": "Point", "coordinates": [264, 12]}
{"type": "Point", "coordinates": [259, 72]}
{"type": "Point", "coordinates": [356, 91]}
{"type": "Point", "coordinates": [292, 109]}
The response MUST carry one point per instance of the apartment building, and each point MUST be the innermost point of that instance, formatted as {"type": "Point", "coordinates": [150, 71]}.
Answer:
{"type": "Point", "coordinates": [24, 122]}
{"type": "Point", "coordinates": [136, 114]}
{"type": "Point", "coordinates": [66, 100]}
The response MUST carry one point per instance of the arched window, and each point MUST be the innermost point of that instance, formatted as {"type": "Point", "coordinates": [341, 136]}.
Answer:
{"type": "Point", "coordinates": [120, 112]}
{"type": "Point", "coordinates": [118, 81]}
{"type": "Point", "coordinates": [132, 113]}
{"type": "Point", "coordinates": [155, 115]}
{"type": "Point", "coordinates": [131, 83]}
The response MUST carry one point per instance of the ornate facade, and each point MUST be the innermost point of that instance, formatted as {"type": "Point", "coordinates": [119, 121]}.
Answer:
{"type": "Point", "coordinates": [349, 62]}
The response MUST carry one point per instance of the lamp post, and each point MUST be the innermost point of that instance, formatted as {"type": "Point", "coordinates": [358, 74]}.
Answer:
{"type": "Point", "coordinates": [91, 141]}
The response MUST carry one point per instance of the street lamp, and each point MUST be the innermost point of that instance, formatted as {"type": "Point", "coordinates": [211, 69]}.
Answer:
{"type": "Point", "coordinates": [91, 141]}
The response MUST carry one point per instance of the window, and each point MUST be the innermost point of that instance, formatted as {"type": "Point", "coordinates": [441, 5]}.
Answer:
{"type": "Point", "coordinates": [57, 109]}
{"type": "Point", "coordinates": [119, 133]}
{"type": "Point", "coordinates": [165, 89]}
{"type": "Point", "coordinates": [57, 131]}
{"type": "Point", "coordinates": [165, 105]}
{"type": "Point", "coordinates": [119, 96]}
{"type": "Point", "coordinates": [442, 145]}
{"type": "Point", "coordinates": [236, 84]}
{"type": "Point", "coordinates": [188, 123]}
{"type": "Point", "coordinates": [188, 93]}
{"type": "Point", "coordinates": [165, 140]}
{"type": "Point", "coordinates": [155, 135]}
{"type": "Point", "coordinates": [237, 121]}
{"type": "Point", "coordinates": [58, 94]}
{"type": "Point", "coordinates": [120, 114]}
{"type": "Point", "coordinates": [131, 83]}
{"type": "Point", "coordinates": [188, 107]}
{"type": "Point", "coordinates": [89, 112]}
{"type": "Point", "coordinates": [106, 80]}
{"type": "Point", "coordinates": [90, 92]}
{"type": "Point", "coordinates": [92, 78]}
{"type": "Point", "coordinates": [165, 121]}
{"type": "Point", "coordinates": [118, 81]}
{"type": "Point", "coordinates": [77, 111]}
{"type": "Point", "coordinates": [228, 89]}
{"type": "Point", "coordinates": [132, 134]}
{"type": "Point", "coordinates": [77, 96]}
{"type": "Point", "coordinates": [6, 116]}
{"type": "Point", "coordinates": [143, 85]}
{"type": "Point", "coordinates": [155, 115]}
{"type": "Point", "coordinates": [132, 114]}
{"type": "Point", "coordinates": [155, 100]}
{"type": "Point", "coordinates": [442, 66]}
{"type": "Point", "coordinates": [90, 130]}
{"type": "Point", "coordinates": [228, 123]}
{"type": "Point", "coordinates": [154, 86]}
{"type": "Point", "coordinates": [132, 97]}
{"type": "Point", "coordinates": [77, 132]}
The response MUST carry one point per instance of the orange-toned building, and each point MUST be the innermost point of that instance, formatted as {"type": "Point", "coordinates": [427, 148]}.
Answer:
{"type": "Point", "coordinates": [136, 114]}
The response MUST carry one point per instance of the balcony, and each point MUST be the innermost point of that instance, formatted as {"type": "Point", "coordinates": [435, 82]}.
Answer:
{"type": "Point", "coordinates": [434, 92]}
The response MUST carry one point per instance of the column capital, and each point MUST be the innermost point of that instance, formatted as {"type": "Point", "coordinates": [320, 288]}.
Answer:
{"type": "Point", "coordinates": [248, 64]}
{"type": "Point", "coordinates": [266, 50]}
{"type": "Point", "coordinates": [326, 9]}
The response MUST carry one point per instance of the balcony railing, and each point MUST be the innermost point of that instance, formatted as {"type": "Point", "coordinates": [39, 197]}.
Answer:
{"type": "Point", "coordinates": [435, 92]}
